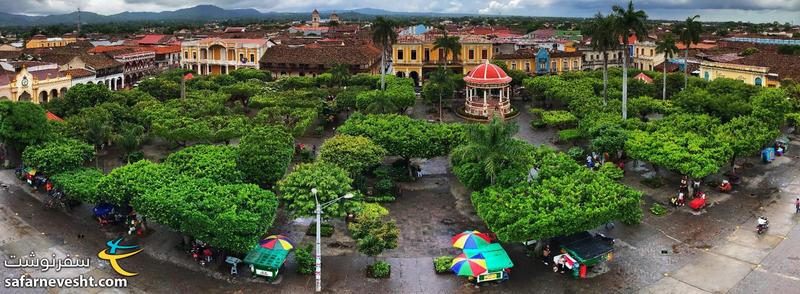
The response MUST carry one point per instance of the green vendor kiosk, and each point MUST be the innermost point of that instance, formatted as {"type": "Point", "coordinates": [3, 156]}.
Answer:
{"type": "Point", "coordinates": [498, 264]}
{"type": "Point", "coordinates": [265, 262]}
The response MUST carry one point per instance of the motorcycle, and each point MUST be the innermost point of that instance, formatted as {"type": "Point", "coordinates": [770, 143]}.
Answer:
{"type": "Point", "coordinates": [604, 238]}
{"type": "Point", "coordinates": [761, 228]}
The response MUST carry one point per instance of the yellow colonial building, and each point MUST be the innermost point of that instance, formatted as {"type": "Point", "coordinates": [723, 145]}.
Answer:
{"type": "Point", "coordinates": [414, 56]}
{"type": "Point", "coordinates": [645, 56]}
{"type": "Point", "coordinates": [749, 74]}
{"type": "Point", "coordinates": [32, 81]}
{"type": "Point", "coordinates": [41, 41]}
{"type": "Point", "coordinates": [221, 56]}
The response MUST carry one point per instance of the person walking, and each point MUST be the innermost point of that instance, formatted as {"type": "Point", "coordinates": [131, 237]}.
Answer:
{"type": "Point", "coordinates": [797, 205]}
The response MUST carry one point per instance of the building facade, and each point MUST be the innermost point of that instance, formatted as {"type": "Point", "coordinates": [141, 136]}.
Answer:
{"type": "Point", "coordinates": [749, 74]}
{"type": "Point", "coordinates": [41, 41]}
{"type": "Point", "coordinates": [542, 61]}
{"type": "Point", "coordinates": [221, 56]}
{"type": "Point", "coordinates": [644, 55]}
{"type": "Point", "coordinates": [415, 56]}
{"type": "Point", "coordinates": [593, 60]}
{"type": "Point", "coordinates": [36, 82]}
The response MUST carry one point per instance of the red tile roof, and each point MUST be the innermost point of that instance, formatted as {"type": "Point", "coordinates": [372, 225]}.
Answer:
{"type": "Point", "coordinates": [79, 73]}
{"type": "Point", "coordinates": [314, 54]}
{"type": "Point", "coordinates": [644, 78]}
{"type": "Point", "coordinates": [167, 49]}
{"type": "Point", "coordinates": [152, 39]}
{"type": "Point", "coordinates": [487, 73]}
{"type": "Point", "coordinates": [53, 117]}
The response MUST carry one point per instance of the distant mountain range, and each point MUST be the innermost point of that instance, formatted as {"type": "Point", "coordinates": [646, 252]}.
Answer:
{"type": "Point", "coordinates": [196, 13]}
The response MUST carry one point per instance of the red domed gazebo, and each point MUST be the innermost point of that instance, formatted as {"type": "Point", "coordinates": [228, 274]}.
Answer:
{"type": "Point", "coordinates": [487, 92]}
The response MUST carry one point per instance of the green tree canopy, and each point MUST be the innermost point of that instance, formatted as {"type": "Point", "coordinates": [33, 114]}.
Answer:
{"type": "Point", "coordinates": [330, 181]}
{"type": "Point", "coordinates": [22, 124]}
{"type": "Point", "coordinates": [133, 180]}
{"type": "Point", "coordinates": [264, 155]}
{"type": "Point", "coordinates": [564, 199]}
{"type": "Point", "coordinates": [92, 124]}
{"type": "Point", "coordinates": [161, 88]}
{"type": "Point", "coordinates": [403, 136]}
{"type": "Point", "coordinates": [79, 184]}
{"type": "Point", "coordinates": [355, 154]}
{"type": "Point", "coordinates": [80, 97]}
{"type": "Point", "coordinates": [746, 135]}
{"type": "Point", "coordinates": [232, 217]}
{"type": "Point", "coordinates": [57, 156]}
{"type": "Point", "coordinates": [217, 163]}
{"type": "Point", "coordinates": [246, 74]}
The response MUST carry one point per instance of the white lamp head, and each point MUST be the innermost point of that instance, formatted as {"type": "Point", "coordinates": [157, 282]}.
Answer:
{"type": "Point", "coordinates": [348, 196]}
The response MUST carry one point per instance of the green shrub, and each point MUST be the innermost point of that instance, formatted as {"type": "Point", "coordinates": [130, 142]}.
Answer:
{"type": "Point", "coordinates": [305, 262]}
{"type": "Point", "coordinates": [537, 111]}
{"type": "Point", "coordinates": [559, 118]}
{"type": "Point", "coordinates": [380, 199]}
{"type": "Point", "coordinates": [319, 131]}
{"type": "Point", "coordinates": [575, 153]}
{"type": "Point", "coordinates": [657, 209]}
{"type": "Point", "coordinates": [134, 156]}
{"type": "Point", "coordinates": [380, 270]}
{"type": "Point", "coordinates": [384, 186]}
{"type": "Point", "coordinates": [611, 171]}
{"type": "Point", "coordinates": [568, 135]}
{"type": "Point", "coordinates": [326, 230]}
{"type": "Point", "coordinates": [538, 124]}
{"type": "Point", "coordinates": [442, 264]}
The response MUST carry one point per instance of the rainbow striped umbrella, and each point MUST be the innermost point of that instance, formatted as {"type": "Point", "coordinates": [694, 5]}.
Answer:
{"type": "Point", "coordinates": [470, 240]}
{"type": "Point", "coordinates": [276, 242]}
{"type": "Point", "coordinates": [469, 266]}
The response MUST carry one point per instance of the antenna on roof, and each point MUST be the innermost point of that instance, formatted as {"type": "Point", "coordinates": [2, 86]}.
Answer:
{"type": "Point", "coordinates": [79, 23]}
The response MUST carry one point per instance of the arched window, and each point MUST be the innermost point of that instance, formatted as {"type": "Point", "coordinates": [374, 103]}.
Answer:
{"type": "Point", "coordinates": [758, 82]}
{"type": "Point", "coordinates": [706, 76]}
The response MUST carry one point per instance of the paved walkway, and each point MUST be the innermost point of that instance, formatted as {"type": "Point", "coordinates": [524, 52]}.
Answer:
{"type": "Point", "coordinates": [744, 262]}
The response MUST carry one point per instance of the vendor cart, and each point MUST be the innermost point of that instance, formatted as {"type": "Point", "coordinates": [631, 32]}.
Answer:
{"type": "Point", "coordinates": [498, 264]}
{"type": "Point", "coordinates": [266, 262]}
{"type": "Point", "coordinates": [586, 250]}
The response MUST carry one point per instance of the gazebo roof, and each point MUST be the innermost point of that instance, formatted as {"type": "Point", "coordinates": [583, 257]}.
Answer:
{"type": "Point", "coordinates": [487, 73]}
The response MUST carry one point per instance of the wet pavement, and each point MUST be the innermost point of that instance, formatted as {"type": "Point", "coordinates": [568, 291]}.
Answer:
{"type": "Point", "coordinates": [714, 250]}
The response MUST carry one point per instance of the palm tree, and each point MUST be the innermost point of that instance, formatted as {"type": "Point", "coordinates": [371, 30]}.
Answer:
{"type": "Point", "coordinates": [689, 32]}
{"type": "Point", "coordinates": [491, 145]}
{"type": "Point", "coordinates": [441, 78]}
{"type": "Point", "coordinates": [604, 39]}
{"type": "Point", "coordinates": [628, 22]}
{"type": "Point", "coordinates": [449, 44]}
{"type": "Point", "coordinates": [383, 34]}
{"type": "Point", "coordinates": [340, 74]}
{"type": "Point", "coordinates": [666, 46]}
{"type": "Point", "coordinates": [381, 104]}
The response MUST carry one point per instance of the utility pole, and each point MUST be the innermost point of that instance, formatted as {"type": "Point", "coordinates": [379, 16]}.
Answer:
{"type": "Point", "coordinates": [318, 212]}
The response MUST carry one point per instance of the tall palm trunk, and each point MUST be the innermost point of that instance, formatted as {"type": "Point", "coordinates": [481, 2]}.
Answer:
{"type": "Point", "coordinates": [664, 81]}
{"type": "Point", "coordinates": [605, 78]}
{"type": "Point", "coordinates": [383, 68]}
{"type": "Point", "coordinates": [686, 67]}
{"type": "Point", "coordinates": [625, 82]}
{"type": "Point", "coordinates": [440, 105]}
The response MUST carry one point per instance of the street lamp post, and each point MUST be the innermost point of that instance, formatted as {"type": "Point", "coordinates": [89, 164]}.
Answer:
{"type": "Point", "coordinates": [318, 211]}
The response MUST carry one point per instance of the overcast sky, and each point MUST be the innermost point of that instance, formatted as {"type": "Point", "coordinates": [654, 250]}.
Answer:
{"type": "Point", "coordinates": [710, 10]}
